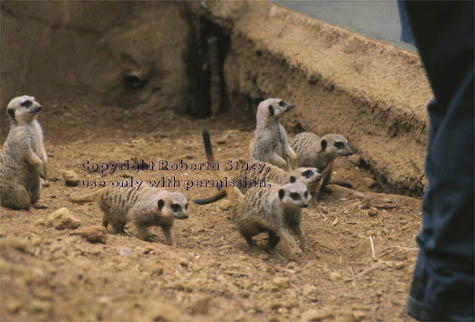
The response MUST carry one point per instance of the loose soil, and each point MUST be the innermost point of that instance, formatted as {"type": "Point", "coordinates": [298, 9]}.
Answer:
{"type": "Point", "coordinates": [357, 265]}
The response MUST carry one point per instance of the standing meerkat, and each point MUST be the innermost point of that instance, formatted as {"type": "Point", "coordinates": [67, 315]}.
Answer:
{"type": "Point", "coordinates": [270, 140]}
{"type": "Point", "coordinates": [23, 156]}
{"type": "Point", "coordinates": [272, 210]}
{"type": "Point", "coordinates": [144, 208]}
{"type": "Point", "coordinates": [313, 151]}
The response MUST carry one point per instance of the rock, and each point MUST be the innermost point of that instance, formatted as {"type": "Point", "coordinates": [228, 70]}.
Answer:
{"type": "Point", "coordinates": [95, 234]}
{"type": "Point", "coordinates": [125, 251]}
{"type": "Point", "coordinates": [225, 204]}
{"type": "Point", "coordinates": [153, 267]}
{"type": "Point", "coordinates": [15, 243]}
{"type": "Point", "coordinates": [365, 204]}
{"type": "Point", "coordinates": [222, 139]}
{"type": "Point", "coordinates": [63, 219]}
{"type": "Point", "coordinates": [355, 159]}
{"type": "Point", "coordinates": [335, 222]}
{"type": "Point", "coordinates": [372, 212]}
{"type": "Point", "coordinates": [293, 266]}
{"type": "Point", "coordinates": [399, 265]}
{"type": "Point", "coordinates": [281, 282]}
{"type": "Point", "coordinates": [316, 315]}
{"type": "Point", "coordinates": [310, 293]}
{"type": "Point", "coordinates": [334, 276]}
{"type": "Point", "coordinates": [359, 315]}
{"type": "Point", "coordinates": [71, 179]}
{"type": "Point", "coordinates": [200, 306]}
{"type": "Point", "coordinates": [369, 182]}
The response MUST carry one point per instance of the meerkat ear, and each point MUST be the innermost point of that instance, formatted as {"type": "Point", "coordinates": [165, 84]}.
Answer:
{"type": "Point", "coordinates": [281, 193]}
{"type": "Point", "coordinates": [160, 204]}
{"type": "Point", "coordinates": [271, 110]}
{"type": "Point", "coordinates": [11, 113]}
{"type": "Point", "coordinates": [292, 179]}
{"type": "Point", "coordinates": [324, 145]}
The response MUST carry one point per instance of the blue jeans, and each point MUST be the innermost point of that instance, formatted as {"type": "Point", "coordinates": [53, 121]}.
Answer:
{"type": "Point", "coordinates": [443, 283]}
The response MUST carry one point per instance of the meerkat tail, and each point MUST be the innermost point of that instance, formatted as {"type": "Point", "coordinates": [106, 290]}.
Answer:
{"type": "Point", "coordinates": [86, 198]}
{"type": "Point", "coordinates": [342, 184]}
{"type": "Point", "coordinates": [232, 192]}
{"type": "Point", "coordinates": [217, 196]}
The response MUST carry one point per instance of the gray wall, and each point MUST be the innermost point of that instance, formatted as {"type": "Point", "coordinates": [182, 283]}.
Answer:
{"type": "Point", "coordinates": [375, 19]}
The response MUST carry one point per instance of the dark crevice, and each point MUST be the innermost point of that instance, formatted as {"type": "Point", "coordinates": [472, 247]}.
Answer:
{"type": "Point", "coordinates": [207, 47]}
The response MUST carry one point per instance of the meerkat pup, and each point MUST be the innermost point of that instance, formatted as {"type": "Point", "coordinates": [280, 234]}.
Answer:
{"type": "Point", "coordinates": [272, 210]}
{"type": "Point", "coordinates": [313, 151]}
{"type": "Point", "coordinates": [269, 173]}
{"type": "Point", "coordinates": [23, 156]}
{"type": "Point", "coordinates": [144, 208]}
{"type": "Point", "coordinates": [270, 140]}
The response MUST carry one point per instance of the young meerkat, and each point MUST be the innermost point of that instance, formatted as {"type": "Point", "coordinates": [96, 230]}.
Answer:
{"type": "Point", "coordinates": [270, 140]}
{"type": "Point", "coordinates": [144, 208]}
{"type": "Point", "coordinates": [23, 156]}
{"type": "Point", "coordinates": [273, 210]}
{"type": "Point", "coordinates": [268, 173]}
{"type": "Point", "coordinates": [313, 151]}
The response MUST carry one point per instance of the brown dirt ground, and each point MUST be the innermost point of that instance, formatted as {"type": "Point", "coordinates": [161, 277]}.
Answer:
{"type": "Point", "coordinates": [210, 273]}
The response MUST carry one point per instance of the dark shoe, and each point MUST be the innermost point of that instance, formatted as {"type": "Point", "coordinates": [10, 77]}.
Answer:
{"type": "Point", "coordinates": [415, 306]}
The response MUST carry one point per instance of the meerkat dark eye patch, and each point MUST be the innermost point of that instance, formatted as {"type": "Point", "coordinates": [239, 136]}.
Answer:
{"type": "Point", "coordinates": [281, 103]}
{"type": "Point", "coordinates": [307, 173]}
{"type": "Point", "coordinates": [160, 204]}
{"type": "Point", "coordinates": [292, 179]}
{"type": "Point", "coordinates": [281, 194]}
{"type": "Point", "coordinates": [271, 110]}
{"type": "Point", "coordinates": [11, 112]}
{"type": "Point", "coordinates": [324, 145]}
{"type": "Point", "coordinates": [176, 207]}
{"type": "Point", "coordinates": [294, 196]}
{"type": "Point", "coordinates": [339, 145]}
{"type": "Point", "coordinates": [26, 104]}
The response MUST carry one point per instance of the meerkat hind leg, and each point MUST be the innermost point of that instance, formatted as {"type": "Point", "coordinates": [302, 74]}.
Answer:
{"type": "Point", "coordinates": [17, 197]}
{"type": "Point", "coordinates": [142, 232]}
{"type": "Point", "coordinates": [35, 196]}
{"type": "Point", "coordinates": [117, 226]}
{"type": "Point", "coordinates": [272, 241]}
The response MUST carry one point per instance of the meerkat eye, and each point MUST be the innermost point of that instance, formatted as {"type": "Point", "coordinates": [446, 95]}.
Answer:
{"type": "Point", "coordinates": [307, 173]}
{"type": "Point", "coordinates": [281, 103]}
{"type": "Point", "coordinates": [281, 194]}
{"type": "Point", "coordinates": [271, 110]}
{"type": "Point", "coordinates": [305, 194]}
{"type": "Point", "coordinates": [323, 144]}
{"type": "Point", "coordinates": [175, 207]}
{"type": "Point", "coordinates": [294, 196]}
{"type": "Point", "coordinates": [26, 104]}
{"type": "Point", "coordinates": [339, 145]}
{"type": "Point", "coordinates": [292, 179]}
